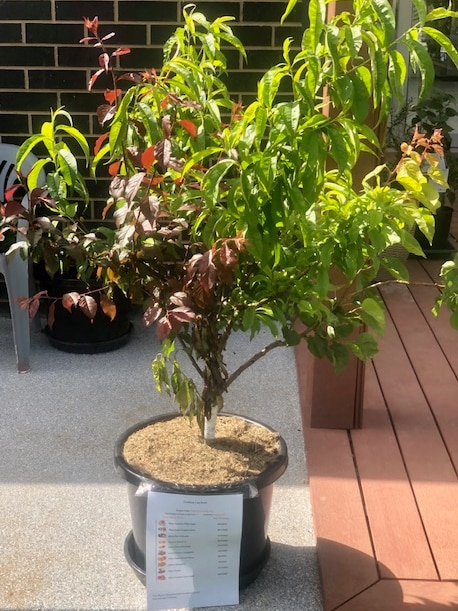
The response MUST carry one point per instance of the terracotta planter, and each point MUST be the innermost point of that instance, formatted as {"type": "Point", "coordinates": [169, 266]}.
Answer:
{"type": "Point", "coordinates": [257, 497]}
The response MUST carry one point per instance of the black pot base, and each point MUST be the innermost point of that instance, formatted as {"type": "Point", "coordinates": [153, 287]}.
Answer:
{"type": "Point", "coordinates": [245, 579]}
{"type": "Point", "coordinates": [89, 347]}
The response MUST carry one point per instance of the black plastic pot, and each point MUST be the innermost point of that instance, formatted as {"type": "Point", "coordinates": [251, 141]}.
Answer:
{"type": "Point", "coordinates": [257, 498]}
{"type": "Point", "coordinates": [75, 332]}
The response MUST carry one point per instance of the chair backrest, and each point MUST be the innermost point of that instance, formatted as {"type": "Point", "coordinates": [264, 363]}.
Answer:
{"type": "Point", "coordinates": [8, 175]}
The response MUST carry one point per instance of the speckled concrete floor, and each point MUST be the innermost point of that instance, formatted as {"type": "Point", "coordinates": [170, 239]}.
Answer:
{"type": "Point", "coordinates": [63, 510]}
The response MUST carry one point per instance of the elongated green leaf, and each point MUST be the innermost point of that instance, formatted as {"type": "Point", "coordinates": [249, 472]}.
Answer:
{"type": "Point", "coordinates": [444, 42]}
{"type": "Point", "coordinates": [317, 15]}
{"type": "Point", "coordinates": [33, 177]}
{"type": "Point", "coordinates": [422, 11]}
{"type": "Point", "coordinates": [78, 136]}
{"type": "Point", "coordinates": [440, 13]}
{"type": "Point", "coordinates": [213, 178]}
{"type": "Point", "coordinates": [269, 85]}
{"type": "Point", "coordinates": [397, 73]}
{"type": "Point", "coordinates": [289, 8]}
{"type": "Point", "coordinates": [67, 166]}
{"type": "Point", "coordinates": [339, 150]}
{"type": "Point", "coordinates": [361, 100]}
{"type": "Point", "coordinates": [198, 157]}
{"type": "Point", "coordinates": [421, 59]}
{"type": "Point", "coordinates": [26, 148]}
{"type": "Point", "coordinates": [386, 16]}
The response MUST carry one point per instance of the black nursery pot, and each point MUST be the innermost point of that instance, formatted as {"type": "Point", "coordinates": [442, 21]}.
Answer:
{"type": "Point", "coordinates": [75, 332]}
{"type": "Point", "coordinates": [255, 544]}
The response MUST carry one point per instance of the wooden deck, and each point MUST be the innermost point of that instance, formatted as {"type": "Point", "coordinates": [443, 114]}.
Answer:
{"type": "Point", "coordinates": [385, 497]}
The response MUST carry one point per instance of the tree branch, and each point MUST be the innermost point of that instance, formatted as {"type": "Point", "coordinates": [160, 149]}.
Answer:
{"type": "Point", "coordinates": [276, 344]}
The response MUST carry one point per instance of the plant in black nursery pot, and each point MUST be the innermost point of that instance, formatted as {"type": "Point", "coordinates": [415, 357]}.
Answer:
{"type": "Point", "coordinates": [82, 314]}
{"type": "Point", "coordinates": [232, 219]}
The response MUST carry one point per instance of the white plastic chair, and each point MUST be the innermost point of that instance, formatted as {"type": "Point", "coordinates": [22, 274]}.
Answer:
{"type": "Point", "coordinates": [16, 269]}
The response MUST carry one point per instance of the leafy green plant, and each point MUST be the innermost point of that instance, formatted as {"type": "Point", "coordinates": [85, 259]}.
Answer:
{"type": "Point", "coordinates": [233, 219]}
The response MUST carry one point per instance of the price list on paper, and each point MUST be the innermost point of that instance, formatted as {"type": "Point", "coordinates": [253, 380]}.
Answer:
{"type": "Point", "coordinates": [193, 550]}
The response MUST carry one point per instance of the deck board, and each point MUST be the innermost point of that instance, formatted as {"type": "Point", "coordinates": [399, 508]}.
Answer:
{"type": "Point", "coordinates": [427, 460]}
{"type": "Point", "coordinates": [401, 468]}
{"type": "Point", "coordinates": [400, 542]}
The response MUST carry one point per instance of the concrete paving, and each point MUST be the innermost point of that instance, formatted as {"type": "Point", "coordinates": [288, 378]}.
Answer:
{"type": "Point", "coordinates": [63, 510]}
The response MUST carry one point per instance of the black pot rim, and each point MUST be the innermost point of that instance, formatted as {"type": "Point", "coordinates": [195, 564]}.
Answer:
{"type": "Point", "coordinates": [273, 471]}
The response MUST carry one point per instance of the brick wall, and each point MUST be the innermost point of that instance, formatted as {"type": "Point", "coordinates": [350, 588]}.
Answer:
{"type": "Point", "coordinates": [43, 65]}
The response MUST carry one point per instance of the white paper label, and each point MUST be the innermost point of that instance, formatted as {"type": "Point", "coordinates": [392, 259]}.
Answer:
{"type": "Point", "coordinates": [193, 550]}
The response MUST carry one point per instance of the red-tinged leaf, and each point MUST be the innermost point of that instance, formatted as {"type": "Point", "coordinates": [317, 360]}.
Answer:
{"type": "Point", "coordinates": [189, 126]}
{"type": "Point", "coordinates": [111, 95]}
{"type": "Point", "coordinates": [113, 168]}
{"type": "Point", "coordinates": [88, 306]}
{"type": "Point", "coordinates": [98, 143]}
{"type": "Point", "coordinates": [108, 36]}
{"type": "Point", "coordinates": [164, 102]}
{"type": "Point", "coordinates": [180, 298]}
{"type": "Point", "coordinates": [181, 314]}
{"type": "Point", "coordinates": [92, 24]}
{"type": "Point", "coordinates": [227, 255]}
{"type": "Point", "coordinates": [23, 302]}
{"type": "Point", "coordinates": [10, 191]}
{"type": "Point", "coordinates": [104, 61]}
{"type": "Point", "coordinates": [107, 306]}
{"type": "Point", "coordinates": [34, 307]}
{"type": "Point", "coordinates": [93, 78]}
{"type": "Point", "coordinates": [51, 315]}
{"type": "Point", "coordinates": [105, 112]}
{"type": "Point", "coordinates": [120, 51]}
{"type": "Point", "coordinates": [163, 329]}
{"type": "Point", "coordinates": [70, 300]}
{"type": "Point", "coordinates": [132, 77]}
{"type": "Point", "coordinates": [110, 203]}
{"type": "Point", "coordinates": [163, 151]}
{"type": "Point", "coordinates": [14, 208]}
{"type": "Point", "coordinates": [151, 315]}
{"type": "Point", "coordinates": [167, 127]}
{"type": "Point", "coordinates": [148, 158]}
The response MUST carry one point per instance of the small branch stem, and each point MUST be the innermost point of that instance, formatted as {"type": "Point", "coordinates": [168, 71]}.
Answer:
{"type": "Point", "coordinates": [279, 343]}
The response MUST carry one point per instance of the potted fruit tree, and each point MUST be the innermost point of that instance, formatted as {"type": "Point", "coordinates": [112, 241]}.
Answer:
{"type": "Point", "coordinates": [229, 219]}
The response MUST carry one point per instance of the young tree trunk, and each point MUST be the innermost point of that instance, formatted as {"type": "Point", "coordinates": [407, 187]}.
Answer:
{"type": "Point", "coordinates": [210, 425]}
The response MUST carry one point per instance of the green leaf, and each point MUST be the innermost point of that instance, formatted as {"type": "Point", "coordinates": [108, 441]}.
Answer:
{"type": "Point", "coordinates": [33, 177]}
{"type": "Point", "coordinates": [421, 59]}
{"type": "Point", "coordinates": [454, 320]}
{"type": "Point", "coordinates": [339, 357]}
{"type": "Point", "coordinates": [317, 16]}
{"type": "Point", "coordinates": [396, 267]}
{"type": "Point", "coordinates": [397, 73]}
{"type": "Point", "coordinates": [339, 148]}
{"type": "Point", "coordinates": [420, 6]}
{"type": "Point", "coordinates": [213, 178]}
{"type": "Point", "coordinates": [365, 346]}
{"type": "Point", "coordinates": [269, 85]}
{"type": "Point", "coordinates": [25, 148]}
{"type": "Point", "coordinates": [78, 136]}
{"type": "Point", "coordinates": [373, 314]}
{"type": "Point", "coordinates": [444, 42]}
{"type": "Point", "coordinates": [288, 10]}
{"type": "Point", "coordinates": [361, 99]}
{"type": "Point", "coordinates": [67, 166]}
{"type": "Point", "coordinates": [386, 16]}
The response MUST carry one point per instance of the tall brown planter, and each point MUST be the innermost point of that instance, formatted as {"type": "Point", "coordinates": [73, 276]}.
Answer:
{"type": "Point", "coordinates": [335, 400]}
{"type": "Point", "coordinates": [328, 399]}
